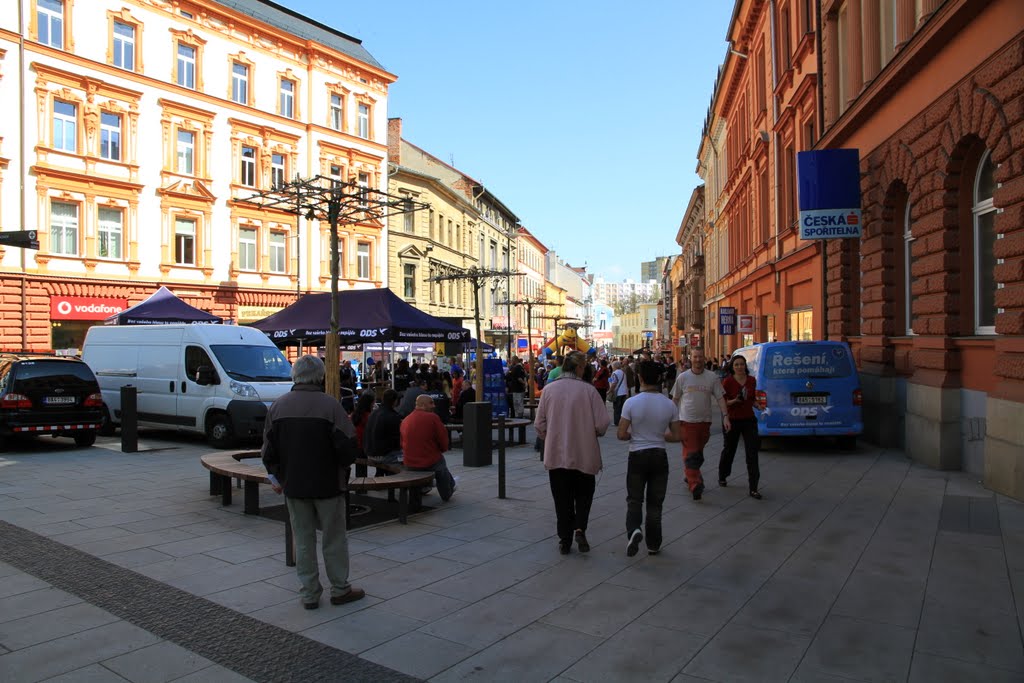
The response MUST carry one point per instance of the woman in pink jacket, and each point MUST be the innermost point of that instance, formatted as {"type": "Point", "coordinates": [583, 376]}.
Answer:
{"type": "Point", "coordinates": [570, 418]}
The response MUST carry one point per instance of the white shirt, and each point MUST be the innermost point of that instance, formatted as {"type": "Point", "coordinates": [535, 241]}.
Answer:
{"type": "Point", "coordinates": [649, 413]}
{"type": "Point", "coordinates": [618, 378]}
{"type": "Point", "coordinates": [694, 393]}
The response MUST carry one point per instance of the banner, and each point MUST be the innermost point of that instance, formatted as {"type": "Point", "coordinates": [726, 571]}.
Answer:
{"type": "Point", "coordinates": [494, 387]}
{"type": "Point", "coordinates": [828, 190]}
{"type": "Point", "coordinates": [727, 320]}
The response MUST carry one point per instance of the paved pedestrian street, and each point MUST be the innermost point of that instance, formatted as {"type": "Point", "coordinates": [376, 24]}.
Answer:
{"type": "Point", "coordinates": [856, 566]}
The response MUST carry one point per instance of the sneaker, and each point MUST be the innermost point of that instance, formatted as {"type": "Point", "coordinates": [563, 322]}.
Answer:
{"type": "Point", "coordinates": [311, 605]}
{"type": "Point", "coordinates": [581, 541]}
{"type": "Point", "coordinates": [353, 595]}
{"type": "Point", "coordinates": [634, 542]}
{"type": "Point", "coordinates": [697, 491]}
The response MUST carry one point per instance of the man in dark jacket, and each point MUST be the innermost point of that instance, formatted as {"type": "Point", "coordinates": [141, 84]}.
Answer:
{"type": "Point", "coordinates": [307, 448]}
{"type": "Point", "coordinates": [382, 441]}
{"type": "Point", "coordinates": [414, 391]}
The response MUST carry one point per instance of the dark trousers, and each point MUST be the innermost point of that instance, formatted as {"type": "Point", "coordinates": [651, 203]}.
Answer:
{"type": "Point", "coordinates": [617, 408]}
{"type": "Point", "coordinates": [573, 492]}
{"type": "Point", "coordinates": [604, 394]}
{"type": "Point", "coordinates": [748, 429]}
{"type": "Point", "coordinates": [647, 470]}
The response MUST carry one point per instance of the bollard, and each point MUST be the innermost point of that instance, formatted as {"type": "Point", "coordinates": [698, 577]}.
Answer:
{"type": "Point", "coordinates": [476, 434]}
{"type": "Point", "coordinates": [130, 420]}
{"type": "Point", "coordinates": [501, 456]}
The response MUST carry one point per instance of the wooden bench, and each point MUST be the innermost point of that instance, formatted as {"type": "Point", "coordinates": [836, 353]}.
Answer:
{"type": "Point", "coordinates": [531, 405]}
{"type": "Point", "coordinates": [512, 423]}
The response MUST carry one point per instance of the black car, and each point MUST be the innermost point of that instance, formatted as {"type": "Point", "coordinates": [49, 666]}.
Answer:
{"type": "Point", "coordinates": [44, 394]}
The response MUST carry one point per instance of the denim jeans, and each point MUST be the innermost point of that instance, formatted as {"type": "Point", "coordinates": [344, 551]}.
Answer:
{"type": "Point", "coordinates": [617, 408]}
{"type": "Point", "coordinates": [442, 477]}
{"type": "Point", "coordinates": [646, 481]}
{"type": "Point", "coordinates": [330, 512]}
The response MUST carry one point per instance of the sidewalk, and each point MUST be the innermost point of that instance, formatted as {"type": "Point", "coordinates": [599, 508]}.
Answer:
{"type": "Point", "coordinates": [856, 566]}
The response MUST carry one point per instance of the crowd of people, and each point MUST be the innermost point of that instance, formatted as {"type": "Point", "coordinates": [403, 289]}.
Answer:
{"type": "Point", "coordinates": [310, 441]}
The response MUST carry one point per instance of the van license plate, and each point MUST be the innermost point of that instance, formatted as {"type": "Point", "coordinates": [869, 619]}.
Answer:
{"type": "Point", "coordinates": [58, 400]}
{"type": "Point", "coordinates": [811, 400]}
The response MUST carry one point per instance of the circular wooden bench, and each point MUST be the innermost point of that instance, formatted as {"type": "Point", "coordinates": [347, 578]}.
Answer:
{"type": "Point", "coordinates": [512, 423]}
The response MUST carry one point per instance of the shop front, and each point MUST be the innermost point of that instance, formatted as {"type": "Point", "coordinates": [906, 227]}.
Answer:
{"type": "Point", "coordinates": [72, 316]}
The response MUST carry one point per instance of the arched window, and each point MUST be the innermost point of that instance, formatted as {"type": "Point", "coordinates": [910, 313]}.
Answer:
{"type": "Point", "coordinates": [908, 262]}
{"type": "Point", "coordinates": [984, 213]}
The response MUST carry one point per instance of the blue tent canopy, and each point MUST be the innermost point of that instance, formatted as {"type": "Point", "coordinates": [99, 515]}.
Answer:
{"type": "Point", "coordinates": [162, 308]}
{"type": "Point", "coordinates": [364, 315]}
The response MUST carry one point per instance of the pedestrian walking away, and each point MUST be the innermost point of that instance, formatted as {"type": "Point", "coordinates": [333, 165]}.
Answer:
{"type": "Point", "coordinates": [739, 389]}
{"type": "Point", "coordinates": [619, 390]}
{"type": "Point", "coordinates": [692, 393]}
{"type": "Point", "coordinates": [308, 447]}
{"type": "Point", "coordinates": [649, 419]}
{"type": "Point", "coordinates": [570, 418]}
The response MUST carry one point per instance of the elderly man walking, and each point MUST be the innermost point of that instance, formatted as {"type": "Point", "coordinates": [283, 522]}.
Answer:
{"type": "Point", "coordinates": [570, 417]}
{"type": "Point", "coordinates": [692, 394]}
{"type": "Point", "coordinates": [308, 447]}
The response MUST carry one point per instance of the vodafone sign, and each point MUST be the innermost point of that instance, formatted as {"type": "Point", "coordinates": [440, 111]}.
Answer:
{"type": "Point", "coordinates": [84, 307]}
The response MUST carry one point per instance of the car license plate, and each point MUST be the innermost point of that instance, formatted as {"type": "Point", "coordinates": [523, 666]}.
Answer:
{"type": "Point", "coordinates": [811, 400]}
{"type": "Point", "coordinates": [59, 400]}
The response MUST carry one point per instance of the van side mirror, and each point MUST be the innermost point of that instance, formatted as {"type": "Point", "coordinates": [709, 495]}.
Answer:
{"type": "Point", "coordinates": [206, 375]}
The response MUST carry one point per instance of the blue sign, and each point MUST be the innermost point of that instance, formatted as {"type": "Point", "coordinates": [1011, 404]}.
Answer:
{"type": "Point", "coordinates": [494, 387]}
{"type": "Point", "coordinates": [727, 320]}
{"type": "Point", "coordinates": [828, 188]}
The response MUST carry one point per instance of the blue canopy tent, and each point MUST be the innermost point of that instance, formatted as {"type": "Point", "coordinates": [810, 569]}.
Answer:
{"type": "Point", "coordinates": [162, 308]}
{"type": "Point", "coordinates": [364, 316]}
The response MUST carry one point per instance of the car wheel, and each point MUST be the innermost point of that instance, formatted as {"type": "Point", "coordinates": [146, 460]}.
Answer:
{"type": "Point", "coordinates": [107, 427]}
{"type": "Point", "coordinates": [219, 432]}
{"type": "Point", "coordinates": [85, 439]}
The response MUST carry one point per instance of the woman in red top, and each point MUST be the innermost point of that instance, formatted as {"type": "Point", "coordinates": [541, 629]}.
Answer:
{"type": "Point", "coordinates": [601, 380]}
{"type": "Point", "coordinates": [739, 397]}
{"type": "Point", "coordinates": [360, 416]}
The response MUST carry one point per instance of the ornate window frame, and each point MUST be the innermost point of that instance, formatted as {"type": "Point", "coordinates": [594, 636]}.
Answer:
{"type": "Point", "coordinates": [124, 16]}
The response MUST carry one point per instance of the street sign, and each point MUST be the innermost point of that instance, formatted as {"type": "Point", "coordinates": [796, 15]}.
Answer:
{"type": "Point", "coordinates": [26, 239]}
{"type": "Point", "coordinates": [727, 320]}
{"type": "Point", "coordinates": [828, 189]}
{"type": "Point", "coordinates": [746, 324]}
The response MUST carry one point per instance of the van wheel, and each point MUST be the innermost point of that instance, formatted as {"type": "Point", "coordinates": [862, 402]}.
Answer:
{"type": "Point", "coordinates": [106, 425]}
{"type": "Point", "coordinates": [219, 432]}
{"type": "Point", "coordinates": [848, 443]}
{"type": "Point", "coordinates": [85, 439]}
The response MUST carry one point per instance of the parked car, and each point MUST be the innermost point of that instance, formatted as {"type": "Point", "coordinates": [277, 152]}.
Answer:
{"type": "Point", "coordinates": [45, 394]}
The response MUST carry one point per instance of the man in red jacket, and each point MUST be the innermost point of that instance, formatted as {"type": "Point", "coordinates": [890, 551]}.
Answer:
{"type": "Point", "coordinates": [424, 441]}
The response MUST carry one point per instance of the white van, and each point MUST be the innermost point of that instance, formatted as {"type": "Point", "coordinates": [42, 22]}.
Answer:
{"type": "Point", "coordinates": [212, 379]}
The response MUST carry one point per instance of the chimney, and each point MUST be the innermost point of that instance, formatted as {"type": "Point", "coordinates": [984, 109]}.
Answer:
{"type": "Point", "coordinates": [395, 141]}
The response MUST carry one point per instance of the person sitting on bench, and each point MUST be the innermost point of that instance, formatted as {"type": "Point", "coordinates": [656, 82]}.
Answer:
{"type": "Point", "coordinates": [424, 441]}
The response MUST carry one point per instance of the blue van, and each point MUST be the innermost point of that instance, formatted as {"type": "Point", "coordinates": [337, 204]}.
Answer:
{"type": "Point", "coordinates": [806, 389]}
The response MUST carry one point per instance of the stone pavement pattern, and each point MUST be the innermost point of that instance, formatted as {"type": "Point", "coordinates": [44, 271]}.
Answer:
{"type": "Point", "coordinates": [856, 566]}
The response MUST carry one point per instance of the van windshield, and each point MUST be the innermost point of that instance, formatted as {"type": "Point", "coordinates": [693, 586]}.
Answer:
{"type": "Point", "coordinates": [249, 363]}
{"type": "Point", "coordinates": [797, 361]}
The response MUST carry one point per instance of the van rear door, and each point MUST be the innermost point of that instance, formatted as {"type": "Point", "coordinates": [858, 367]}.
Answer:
{"type": "Point", "coordinates": [810, 388]}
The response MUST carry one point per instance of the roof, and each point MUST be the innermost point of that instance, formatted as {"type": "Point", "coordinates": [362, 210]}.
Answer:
{"type": "Point", "coordinates": [291, 21]}
{"type": "Point", "coordinates": [533, 238]}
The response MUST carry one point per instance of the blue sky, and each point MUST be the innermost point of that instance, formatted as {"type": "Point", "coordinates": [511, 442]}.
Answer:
{"type": "Point", "coordinates": [582, 117]}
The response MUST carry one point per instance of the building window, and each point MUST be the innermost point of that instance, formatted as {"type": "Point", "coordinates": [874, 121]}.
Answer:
{"type": "Point", "coordinates": [337, 112]}
{"type": "Point", "coordinates": [110, 136]}
{"type": "Point", "coordinates": [111, 233]}
{"type": "Point", "coordinates": [65, 126]}
{"type": "Point", "coordinates": [239, 83]}
{"type": "Point", "coordinates": [247, 172]}
{"type": "Point", "coordinates": [278, 253]}
{"type": "Point", "coordinates": [184, 242]}
{"type": "Point", "coordinates": [908, 262]}
{"type": "Point", "coordinates": [64, 228]}
{"type": "Point", "coordinates": [409, 280]}
{"type": "Point", "coordinates": [984, 214]}
{"type": "Point", "coordinates": [186, 152]}
{"type": "Point", "coordinates": [124, 45]}
{"type": "Point", "coordinates": [50, 21]}
{"type": "Point", "coordinates": [247, 248]}
{"type": "Point", "coordinates": [363, 260]}
{"type": "Point", "coordinates": [364, 120]}
{"type": "Point", "coordinates": [286, 102]}
{"type": "Point", "coordinates": [801, 325]}
{"type": "Point", "coordinates": [277, 173]}
{"type": "Point", "coordinates": [407, 217]}
{"type": "Point", "coordinates": [364, 188]}
{"type": "Point", "coordinates": [186, 66]}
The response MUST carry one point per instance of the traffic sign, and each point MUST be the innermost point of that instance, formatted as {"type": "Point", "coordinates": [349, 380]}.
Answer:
{"type": "Point", "coordinates": [26, 239]}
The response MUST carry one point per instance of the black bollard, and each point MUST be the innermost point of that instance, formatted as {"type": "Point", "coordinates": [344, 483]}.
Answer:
{"type": "Point", "coordinates": [476, 434]}
{"type": "Point", "coordinates": [130, 420]}
{"type": "Point", "coordinates": [501, 456]}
